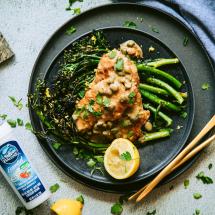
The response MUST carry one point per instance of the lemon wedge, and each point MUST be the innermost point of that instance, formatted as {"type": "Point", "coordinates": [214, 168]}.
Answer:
{"type": "Point", "coordinates": [121, 159]}
{"type": "Point", "coordinates": [67, 207]}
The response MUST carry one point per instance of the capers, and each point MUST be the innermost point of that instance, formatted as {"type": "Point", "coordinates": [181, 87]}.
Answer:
{"type": "Point", "coordinates": [127, 85]}
{"type": "Point", "coordinates": [106, 133]}
{"type": "Point", "coordinates": [124, 98]}
{"type": "Point", "coordinates": [114, 86]}
{"type": "Point", "coordinates": [148, 126]}
{"type": "Point", "coordinates": [109, 124]}
{"type": "Point", "coordinates": [108, 92]}
{"type": "Point", "coordinates": [114, 130]}
{"type": "Point", "coordinates": [126, 122]}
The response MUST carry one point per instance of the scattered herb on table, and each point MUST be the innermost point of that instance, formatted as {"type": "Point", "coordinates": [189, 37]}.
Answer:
{"type": "Point", "coordinates": [197, 212]}
{"type": "Point", "coordinates": [3, 116]}
{"type": "Point", "coordinates": [71, 30]}
{"type": "Point", "coordinates": [185, 41]}
{"type": "Point", "coordinates": [54, 188]}
{"type": "Point", "coordinates": [154, 29]}
{"type": "Point", "coordinates": [197, 196]}
{"type": "Point", "coordinates": [71, 2]}
{"type": "Point", "coordinates": [126, 156]}
{"type": "Point", "coordinates": [186, 183]}
{"type": "Point", "coordinates": [99, 99]}
{"type": "Point", "coordinates": [76, 11]}
{"type": "Point", "coordinates": [28, 126]}
{"type": "Point", "coordinates": [56, 145]}
{"type": "Point", "coordinates": [12, 123]}
{"type": "Point", "coordinates": [205, 179]}
{"type": "Point", "coordinates": [151, 213]}
{"type": "Point", "coordinates": [205, 86]}
{"type": "Point", "coordinates": [16, 103]}
{"type": "Point", "coordinates": [210, 166]}
{"type": "Point", "coordinates": [99, 158]}
{"type": "Point", "coordinates": [117, 209]}
{"type": "Point", "coordinates": [80, 199]}
{"type": "Point", "coordinates": [22, 210]}
{"type": "Point", "coordinates": [20, 122]}
{"type": "Point", "coordinates": [130, 24]}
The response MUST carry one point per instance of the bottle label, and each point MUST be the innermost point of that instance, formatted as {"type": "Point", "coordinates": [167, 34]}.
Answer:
{"type": "Point", "coordinates": [17, 167]}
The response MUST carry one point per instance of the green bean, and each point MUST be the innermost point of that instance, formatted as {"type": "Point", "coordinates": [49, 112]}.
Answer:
{"type": "Point", "coordinates": [162, 62]}
{"type": "Point", "coordinates": [161, 114]}
{"type": "Point", "coordinates": [153, 71]}
{"type": "Point", "coordinates": [155, 99]}
{"type": "Point", "coordinates": [156, 135]}
{"type": "Point", "coordinates": [167, 87]}
{"type": "Point", "coordinates": [153, 89]}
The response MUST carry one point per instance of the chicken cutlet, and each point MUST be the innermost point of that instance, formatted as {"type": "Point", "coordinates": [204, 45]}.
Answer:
{"type": "Point", "coordinates": [112, 106]}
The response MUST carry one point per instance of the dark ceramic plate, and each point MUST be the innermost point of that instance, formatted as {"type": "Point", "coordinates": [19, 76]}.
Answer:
{"type": "Point", "coordinates": [156, 155]}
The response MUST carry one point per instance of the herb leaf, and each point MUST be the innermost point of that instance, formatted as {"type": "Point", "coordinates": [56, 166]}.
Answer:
{"type": "Point", "coordinates": [20, 122]}
{"type": "Point", "coordinates": [126, 156]}
{"type": "Point", "coordinates": [17, 104]}
{"type": "Point", "coordinates": [3, 116]}
{"type": "Point", "coordinates": [197, 212]}
{"type": "Point", "coordinates": [130, 24]}
{"type": "Point", "coordinates": [76, 10]}
{"type": "Point", "coordinates": [119, 65]}
{"type": "Point", "coordinates": [112, 54]}
{"type": "Point", "coordinates": [12, 123]}
{"type": "Point", "coordinates": [71, 2]}
{"type": "Point", "coordinates": [183, 115]}
{"type": "Point", "coordinates": [54, 188]}
{"type": "Point", "coordinates": [80, 199]}
{"type": "Point", "coordinates": [210, 166]}
{"type": "Point", "coordinates": [185, 41]}
{"type": "Point", "coordinates": [116, 209]}
{"type": "Point", "coordinates": [56, 145]}
{"type": "Point", "coordinates": [28, 126]}
{"type": "Point", "coordinates": [205, 86]}
{"type": "Point", "coordinates": [106, 101]}
{"type": "Point", "coordinates": [197, 196]}
{"type": "Point", "coordinates": [205, 179]}
{"type": "Point", "coordinates": [131, 98]}
{"type": "Point", "coordinates": [186, 183]}
{"type": "Point", "coordinates": [99, 99]}
{"type": "Point", "coordinates": [151, 213]}
{"type": "Point", "coordinates": [91, 163]}
{"type": "Point", "coordinates": [154, 29]}
{"type": "Point", "coordinates": [71, 30]}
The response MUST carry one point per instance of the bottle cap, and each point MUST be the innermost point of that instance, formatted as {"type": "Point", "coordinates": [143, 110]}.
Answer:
{"type": "Point", "coordinates": [5, 129]}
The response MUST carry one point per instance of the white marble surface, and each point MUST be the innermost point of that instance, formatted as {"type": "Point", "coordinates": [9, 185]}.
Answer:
{"type": "Point", "coordinates": [27, 25]}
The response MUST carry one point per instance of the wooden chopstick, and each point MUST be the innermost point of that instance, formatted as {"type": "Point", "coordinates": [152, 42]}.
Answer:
{"type": "Point", "coordinates": [168, 169]}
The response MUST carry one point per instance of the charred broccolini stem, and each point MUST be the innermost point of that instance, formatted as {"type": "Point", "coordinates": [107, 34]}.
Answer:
{"type": "Point", "coordinates": [156, 135]}
{"type": "Point", "coordinates": [167, 87]}
{"type": "Point", "coordinates": [162, 62]}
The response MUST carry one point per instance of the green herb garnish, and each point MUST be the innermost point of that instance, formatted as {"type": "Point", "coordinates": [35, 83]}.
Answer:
{"type": "Point", "coordinates": [112, 54]}
{"type": "Point", "coordinates": [197, 196]}
{"type": "Point", "coordinates": [183, 115]}
{"type": "Point", "coordinates": [151, 213]}
{"type": "Point", "coordinates": [131, 98]}
{"type": "Point", "coordinates": [91, 163]}
{"type": "Point", "coordinates": [106, 101]}
{"type": "Point", "coordinates": [80, 199]}
{"type": "Point", "coordinates": [12, 123]}
{"type": "Point", "coordinates": [3, 116]}
{"type": "Point", "coordinates": [71, 30]}
{"type": "Point", "coordinates": [28, 126]}
{"type": "Point", "coordinates": [185, 41]}
{"type": "Point", "coordinates": [205, 179]}
{"type": "Point", "coordinates": [56, 145]}
{"type": "Point", "coordinates": [186, 183]}
{"type": "Point", "coordinates": [76, 10]}
{"type": "Point", "coordinates": [130, 24]}
{"type": "Point", "coordinates": [197, 212]}
{"type": "Point", "coordinates": [18, 103]}
{"type": "Point", "coordinates": [54, 188]}
{"type": "Point", "coordinates": [126, 156]}
{"type": "Point", "coordinates": [154, 29]}
{"type": "Point", "coordinates": [119, 65]}
{"type": "Point", "coordinates": [210, 166]}
{"type": "Point", "coordinates": [130, 134]}
{"type": "Point", "coordinates": [205, 86]}
{"type": "Point", "coordinates": [99, 99]}
{"type": "Point", "coordinates": [20, 122]}
{"type": "Point", "coordinates": [117, 209]}
{"type": "Point", "coordinates": [71, 2]}
{"type": "Point", "coordinates": [81, 93]}
{"type": "Point", "coordinates": [99, 158]}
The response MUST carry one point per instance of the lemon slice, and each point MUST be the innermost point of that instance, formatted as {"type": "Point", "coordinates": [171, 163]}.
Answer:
{"type": "Point", "coordinates": [121, 159]}
{"type": "Point", "coordinates": [67, 207]}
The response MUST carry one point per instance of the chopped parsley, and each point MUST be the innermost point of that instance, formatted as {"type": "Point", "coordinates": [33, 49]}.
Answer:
{"type": "Point", "coordinates": [185, 41]}
{"type": "Point", "coordinates": [91, 110]}
{"type": "Point", "coordinates": [205, 179]}
{"type": "Point", "coordinates": [116, 209]}
{"type": "Point", "coordinates": [12, 123]}
{"type": "Point", "coordinates": [71, 2]}
{"type": "Point", "coordinates": [126, 156]}
{"type": "Point", "coordinates": [119, 65]}
{"type": "Point", "coordinates": [197, 212]}
{"type": "Point", "coordinates": [154, 29]}
{"type": "Point", "coordinates": [99, 158]}
{"type": "Point", "coordinates": [205, 86]}
{"type": "Point", "coordinates": [131, 98]}
{"type": "Point", "coordinates": [197, 196]}
{"type": "Point", "coordinates": [106, 101]}
{"type": "Point", "coordinates": [18, 103]}
{"type": "Point", "coordinates": [151, 213]}
{"type": "Point", "coordinates": [56, 145]}
{"type": "Point", "coordinates": [54, 188]}
{"type": "Point", "coordinates": [183, 115]}
{"type": "Point", "coordinates": [186, 183]}
{"type": "Point", "coordinates": [99, 99]}
{"type": "Point", "coordinates": [76, 11]}
{"type": "Point", "coordinates": [80, 199]}
{"type": "Point", "coordinates": [20, 122]}
{"type": "Point", "coordinates": [28, 126]}
{"type": "Point", "coordinates": [75, 151]}
{"type": "Point", "coordinates": [112, 54]}
{"type": "Point", "coordinates": [81, 93]}
{"type": "Point", "coordinates": [91, 163]}
{"type": "Point", "coordinates": [130, 134]}
{"type": "Point", "coordinates": [130, 24]}
{"type": "Point", "coordinates": [71, 30]}
{"type": "Point", "coordinates": [210, 166]}
{"type": "Point", "coordinates": [3, 116]}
